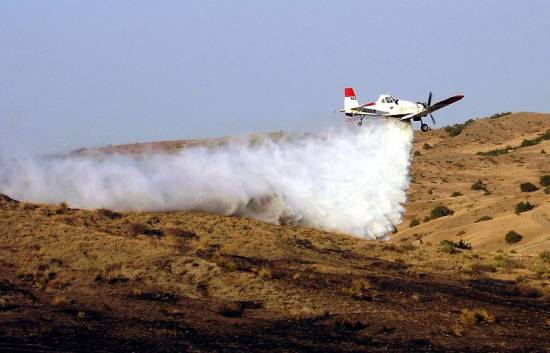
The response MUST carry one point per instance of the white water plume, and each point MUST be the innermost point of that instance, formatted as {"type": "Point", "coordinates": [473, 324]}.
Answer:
{"type": "Point", "coordinates": [352, 180]}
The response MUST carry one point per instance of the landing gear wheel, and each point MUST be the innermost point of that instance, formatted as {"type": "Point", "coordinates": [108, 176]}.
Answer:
{"type": "Point", "coordinates": [360, 122]}
{"type": "Point", "coordinates": [424, 127]}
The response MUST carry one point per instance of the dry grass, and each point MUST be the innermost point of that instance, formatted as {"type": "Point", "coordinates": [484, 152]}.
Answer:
{"type": "Point", "coordinates": [359, 289]}
{"type": "Point", "coordinates": [264, 272]}
{"type": "Point", "coordinates": [476, 316]}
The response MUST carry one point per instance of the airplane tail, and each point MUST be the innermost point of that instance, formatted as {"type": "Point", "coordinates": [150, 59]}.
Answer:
{"type": "Point", "coordinates": [350, 100]}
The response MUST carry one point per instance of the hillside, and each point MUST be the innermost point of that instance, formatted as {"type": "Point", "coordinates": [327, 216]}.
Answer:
{"type": "Point", "coordinates": [99, 280]}
{"type": "Point", "coordinates": [452, 165]}
{"type": "Point", "coordinates": [76, 280]}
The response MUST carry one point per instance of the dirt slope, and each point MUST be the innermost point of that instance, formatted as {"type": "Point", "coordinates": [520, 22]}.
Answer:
{"type": "Point", "coordinates": [452, 164]}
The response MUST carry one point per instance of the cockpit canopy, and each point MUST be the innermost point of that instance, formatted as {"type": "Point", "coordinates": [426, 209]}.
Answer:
{"type": "Point", "coordinates": [386, 99]}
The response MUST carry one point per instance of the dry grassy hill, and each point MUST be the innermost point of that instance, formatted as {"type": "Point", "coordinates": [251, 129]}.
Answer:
{"type": "Point", "coordinates": [453, 165]}
{"type": "Point", "coordinates": [76, 280]}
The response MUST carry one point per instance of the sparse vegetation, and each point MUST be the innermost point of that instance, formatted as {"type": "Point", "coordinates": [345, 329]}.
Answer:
{"type": "Point", "coordinates": [499, 115]}
{"type": "Point", "coordinates": [108, 213]}
{"type": "Point", "coordinates": [530, 142]}
{"type": "Point", "coordinates": [524, 143]}
{"type": "Point", "coordinates": [536, 140]}
{"type": "Point", "coordinates": [483, 219]}
{"type": "Point", "coordinates": [264, 272]}
{"type": "Point", "coordinates": [440, 211]}
{"type": "Point", "coordinates": [417, 153]}
{"type": "Point", "coordinates": [476, 316]}
{"type": "Point", "coordinates": [426, 146]}
{"type": "Point", "coordinates": [480, 185]}
{"type": "Point", "coordinates": [456, 194]}
{"type": "Point", "coordinates": [451, 247]}
{"type": "Point", "coordinates": [524, 207]}
{"type": "Point", "coordinates": [496, 151]}
{"type": "Point", "coordinates": [512, 237]}
{"type": "Point", "coordinates": [359, 289]}
{"type": "Point", "coordinates": [414, 222]}
{"type": "Point", "coordinates": [545, 256]}
{"type": "Point", "coordinates": [180, 233]}
{"type": "Point", "coordinates": [545, 180]}
{"type": "Point", "coordinates": [456, 129]}
{"type": "Point", "coordinates": [527, 187]}
{"type": "Point", "coordinates": [135, 229]}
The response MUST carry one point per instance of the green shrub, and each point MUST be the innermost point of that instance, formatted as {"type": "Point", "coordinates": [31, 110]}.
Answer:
{"type": "Point", "coordinates": [447, 246]}
{"type": "Point", "coordinates": [545, 135]}
{"type": "Point", "coordinates": [440, 211]}
{"type": "Point", "coordinates": [483, 219]}
{"type": "Point", "coordinates": [527, 187]}
{"type": "Point", "coordinates": [497, 151]}
{"type": "Point", "coordinates": [499, 115]}
{"type": "Point", "coordinates": [417, 153]}
{"type": "Point", "coordinates": [512, 237]}
{"type": "Point", "coordinates": [414, 222]}
{"type": "Point", "coordinates": [456, 194]}
{"type": "Point", "coordinates": [450, 247]}
{"type": "Point", "coordinates": [545, 256]}
{"type": "Point", "coordinates": [545, 180]}
{"type": "Point", "coordinates": [524, 207]}
{"type": "Point", "coordinates": [529, 143]}
{"type": "Point", "coordinates": [456, 129]}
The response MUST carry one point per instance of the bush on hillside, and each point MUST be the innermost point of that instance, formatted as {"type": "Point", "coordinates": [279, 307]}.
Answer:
{"type": "Point", "coordinates": [496, 151]}
{"type": "Point", "coordinates": [414, 223]}
{"type": "Point", "coordinates": [480, 185]}
{"type": "Point", "coordinates": [524, 207]}
{"type": "Point", "coordinates": [545, 180]}
{"type": "Point", "coordinates": [456, 194]}
{"type": "Point", "coordinates": [440, 211]}
{"type": "Point", "coordinates": [530, 142]}
{"type": "Point", "coordinates": [450, 247]}
{"type": "Point", "coordinates": [512, 237]}
{"type": "Point", "coordinates": [527, 187]}
{"type": "Point", "coordinates": [499, 115]}
{"type": "Point", "coordinates": [456, 129]}
{"type": "Point", "coordinates": [483, 219]}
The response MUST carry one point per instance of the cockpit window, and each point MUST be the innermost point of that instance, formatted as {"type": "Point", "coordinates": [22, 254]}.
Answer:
{"type": "Point", "coordinates": [388, 100]}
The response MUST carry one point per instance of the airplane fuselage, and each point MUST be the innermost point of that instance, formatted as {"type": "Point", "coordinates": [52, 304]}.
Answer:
{"type": "Point", "coordinates": [386, 106]}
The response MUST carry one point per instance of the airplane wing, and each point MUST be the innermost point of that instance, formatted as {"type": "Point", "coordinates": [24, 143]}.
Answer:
{"type": "Point", "coordinates": [432, 108]}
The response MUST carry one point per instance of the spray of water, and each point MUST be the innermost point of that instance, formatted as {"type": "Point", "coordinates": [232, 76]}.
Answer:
{"type": "Point", "coordinates": [351, 180]}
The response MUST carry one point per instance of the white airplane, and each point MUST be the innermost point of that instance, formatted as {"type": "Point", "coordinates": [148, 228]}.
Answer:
{"type": "Point", "coordinates": [388, 107]}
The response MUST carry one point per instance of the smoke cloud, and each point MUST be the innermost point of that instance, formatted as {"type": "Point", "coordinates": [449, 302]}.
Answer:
{"type": "Point", "coordinates": [351, 180]}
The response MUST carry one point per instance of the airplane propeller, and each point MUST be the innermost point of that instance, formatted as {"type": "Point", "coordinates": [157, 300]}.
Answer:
{"type": "Point", "coordinates": [427, 105]}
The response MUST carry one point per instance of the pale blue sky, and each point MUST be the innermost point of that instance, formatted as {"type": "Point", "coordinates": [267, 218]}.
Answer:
{"type": "Point", "coordinates": [75, 73]}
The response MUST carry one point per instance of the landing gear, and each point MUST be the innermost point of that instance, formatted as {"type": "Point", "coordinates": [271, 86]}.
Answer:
{"type": "Point", "coordinates": [360, 122]}
{"type": "Point", "coordinates": [424, 127]}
